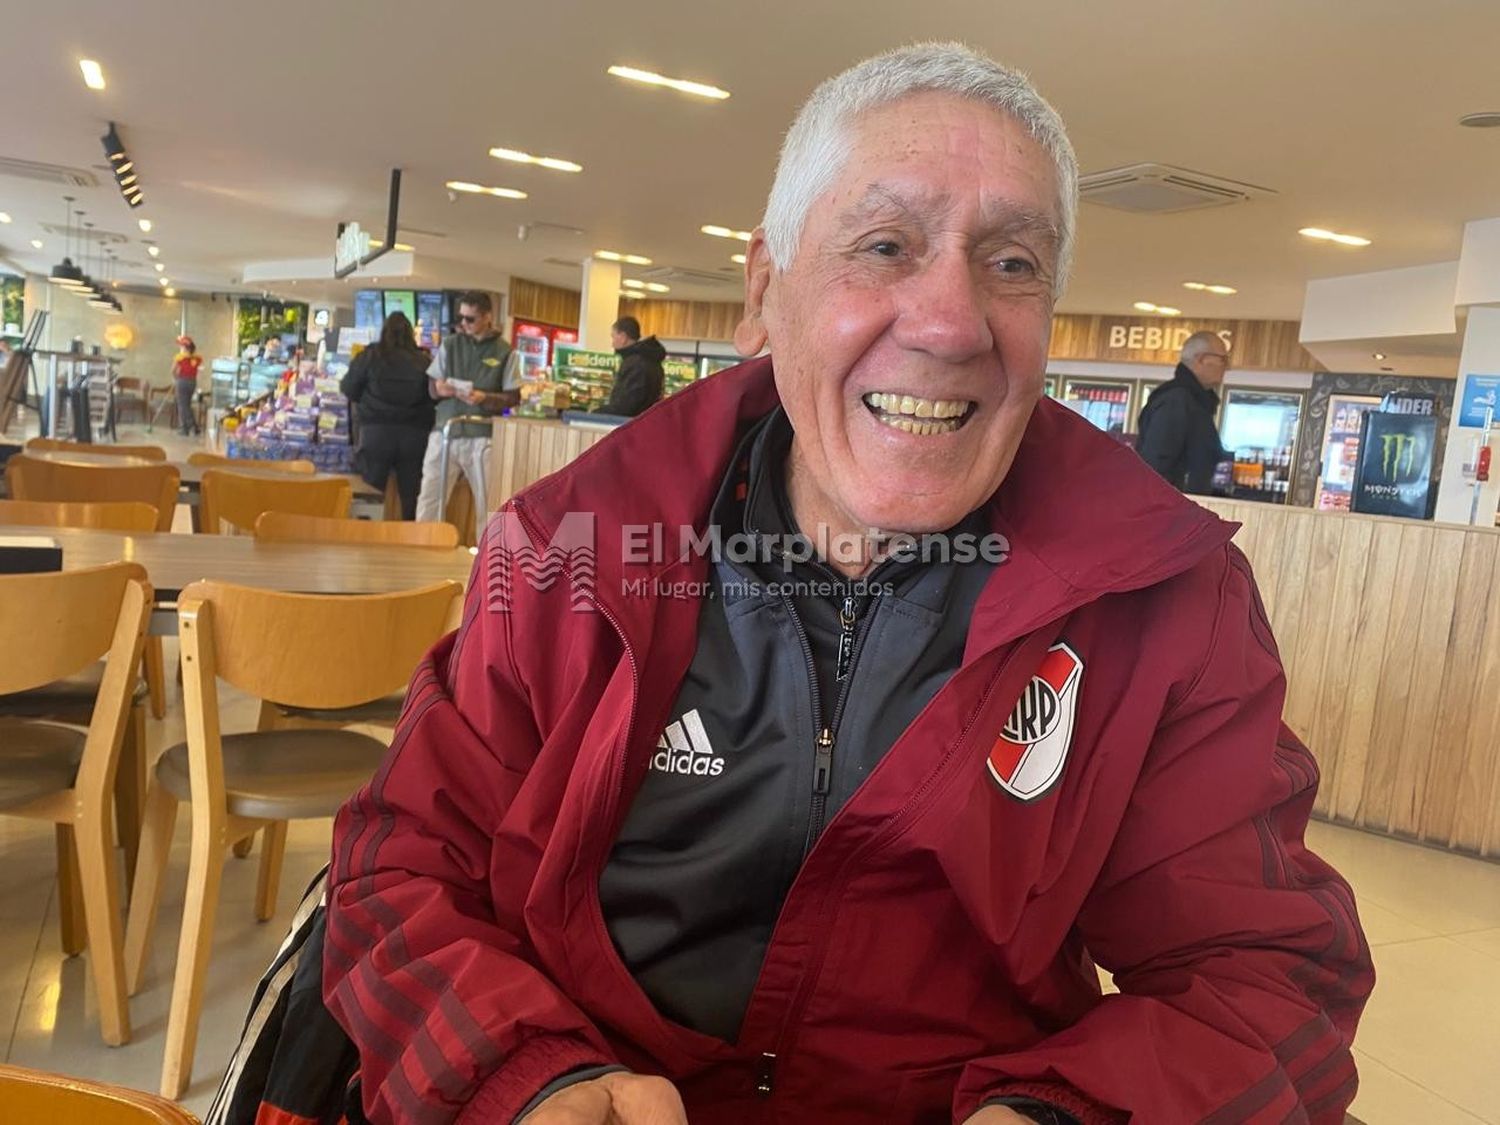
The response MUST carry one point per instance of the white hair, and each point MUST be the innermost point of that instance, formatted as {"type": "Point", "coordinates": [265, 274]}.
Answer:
{"type": "Point", "coordinates": [818, 143]}
{"type": "Point", "coordinates": [1197, 344]}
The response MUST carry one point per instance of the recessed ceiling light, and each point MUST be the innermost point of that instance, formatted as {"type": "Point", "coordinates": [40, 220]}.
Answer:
{"type": "Point", "coordinates": [1489, 119]}
{"type": "Point", "coordinates": [36, 243]}
{"type": "Point", "coordinates": [543, 161]}
{"type": "Point", "coordinates": [1377, 355]}
{"type": "Point", "coordinates": [726, 232]}
{"type": "Point", "coordinates": [1222, 290]}
{"type": "Point", "coordinates": [616, 256]}
{"type": "Point", "coordinates": [153, 250]}
{"type": "Point", "coordinates": [1332, 236]}
{"type": "Point", "coordinates": [658, 287]}
{"type": "Point", "coordinates": [1165, 310]}
{"type": "Point", "coordinates": [1194, 285]}
{"type": "Point", "coordinates": [1145, 306]}
{"type": "Point", "coordinates": [682, 86]}
{"type": "Point", "coordinates": [169, 291]}
{"type": "Point", "coordinates": [480, 189]}
{"type": "Point", "coordinates": [145, 225]}
{"type": "Point", "coordinates": [632, 283]}
{"type": "Point", "coordinates": [164, 281]}
{"type": "Point", "coordinates": [93, 74]}
{"type": "Point", "coordinates": [4, 216]}
{"type": "Point", "coordinates": [631, 295]}
{"type": "Point", "coordinates": [737, 259]}
{"type": "Point", "coordinates": [160, 267]}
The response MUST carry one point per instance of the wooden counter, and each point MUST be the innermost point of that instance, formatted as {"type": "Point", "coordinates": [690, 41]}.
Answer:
{"type": "Point", "coordinates": [524, 450]}
{"type": "Point", "coordinates": [1391, 640]}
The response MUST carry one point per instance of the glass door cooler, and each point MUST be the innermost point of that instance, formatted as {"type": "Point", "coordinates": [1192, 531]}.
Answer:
{"type": "Point", "coordinates": [1340, 451]}
{"type": "Point", "coordinates": [1104, 402]}
{"type": "Point", "coordinates": [1259, 428]}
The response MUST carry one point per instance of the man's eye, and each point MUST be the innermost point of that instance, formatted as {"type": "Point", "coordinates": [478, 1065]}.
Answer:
{"type": "Point", "coordinates": [885, 248]}
{"type": "Point", "coordinates": [1016, 266]}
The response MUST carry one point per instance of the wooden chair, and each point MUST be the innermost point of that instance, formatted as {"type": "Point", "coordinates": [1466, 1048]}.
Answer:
{"type": "Point", "coordinates": [219, 461]}
{"type": "Point", "coordinates": [30, 479]}
{"type": "Point", "coordinates": [116, 515]}
{"type": "Point", "coordinates": [130, 394]}
{"type": "Point", "coordinates": [56, 625]}
{"type": "Point", "coordinates": [34, 1095]}
{"type": "Point", "coordinates": [57, 445]}
{"type": "Point", "coordinates": [286, 527]}
{"type": "Point", "coordinates": [238, 499]}
{"type": "Point", "coordinates": [302, 650]}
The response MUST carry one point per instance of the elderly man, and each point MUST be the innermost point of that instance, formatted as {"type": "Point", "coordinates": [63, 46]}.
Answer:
{"type": "Point", "coordinates": [1179, 438]}
{"type": "Point", "coordinates": [837, 828]}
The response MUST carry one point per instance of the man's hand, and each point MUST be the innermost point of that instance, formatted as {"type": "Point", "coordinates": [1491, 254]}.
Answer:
{"type": "Point", "coordinates": [995, 1115]}
{"type": "Point", "coordinates": [474, 397]}
{"type": "Point", "coordinates": [442, 388]}
{"type": "Point", "coordinates": [616, 1099]}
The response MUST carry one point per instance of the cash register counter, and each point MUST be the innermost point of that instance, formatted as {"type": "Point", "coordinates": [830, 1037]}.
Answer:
{"type": "Point", "coordinates": [1387, 627]}
{"type": "Point", "coordinates": [1390, 634]}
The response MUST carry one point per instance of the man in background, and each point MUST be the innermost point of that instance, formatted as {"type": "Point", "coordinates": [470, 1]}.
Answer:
{"type": "Point", "coordinates": [638, 381]}
{"type": "Point", "coordinates": [1179, 438]}
{"type": "Point", "coordinates": [473, 379]}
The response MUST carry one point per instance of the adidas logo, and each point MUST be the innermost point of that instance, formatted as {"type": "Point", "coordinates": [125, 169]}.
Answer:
{"type": "Point", "coordinates": [684, 748]}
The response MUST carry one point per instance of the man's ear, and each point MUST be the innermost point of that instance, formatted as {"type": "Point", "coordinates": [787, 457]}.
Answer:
{"type": "Point", "coordinates": [750, 335]}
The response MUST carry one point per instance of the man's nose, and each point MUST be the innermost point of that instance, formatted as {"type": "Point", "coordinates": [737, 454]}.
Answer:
{"type": "Point", "coordinates": [941, 311]}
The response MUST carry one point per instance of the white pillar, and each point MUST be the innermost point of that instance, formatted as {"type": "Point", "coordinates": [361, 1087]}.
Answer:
{"type": "Point", "coordinates": [599, 304]}
{"type": "Point", "coordinates": [1481, 356]}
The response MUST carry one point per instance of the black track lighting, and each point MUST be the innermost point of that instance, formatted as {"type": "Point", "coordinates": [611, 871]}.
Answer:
{"type": "Point", "coordinates": [126, 176]}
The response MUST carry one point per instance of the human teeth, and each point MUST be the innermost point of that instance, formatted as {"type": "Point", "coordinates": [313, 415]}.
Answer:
{"type": "Point", "coordinates": [908, 405]}
{"type": "Point", "coordinates": [925, 408]}
{"type": "Point", "coordinates": [901, 412]}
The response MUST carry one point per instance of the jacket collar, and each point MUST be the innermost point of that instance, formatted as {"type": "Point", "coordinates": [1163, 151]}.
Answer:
{"type": "Point", "coordinates": [1084, 515]}
{"type": "Point", "coordinates": [1183, 376]}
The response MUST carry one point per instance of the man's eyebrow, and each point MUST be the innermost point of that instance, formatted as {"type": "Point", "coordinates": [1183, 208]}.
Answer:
{"type": "Point", "coordinates": [1003, 216]}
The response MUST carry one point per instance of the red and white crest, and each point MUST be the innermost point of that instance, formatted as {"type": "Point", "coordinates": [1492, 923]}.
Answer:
{"type": "Point", "coordinates": [1028, 757]}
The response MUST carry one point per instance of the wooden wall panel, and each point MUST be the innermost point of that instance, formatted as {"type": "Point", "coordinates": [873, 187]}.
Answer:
{"type": "Point", "coordinates": [1392, 653]}
{"type": "Point", "coordinates": [1267, 345]}
{"type": "Point", "coordinates": [686, 320]}
{"type": "Point", "coordinates": [531, 300]}
{"type": "Point", "coordinates": [525, 450]}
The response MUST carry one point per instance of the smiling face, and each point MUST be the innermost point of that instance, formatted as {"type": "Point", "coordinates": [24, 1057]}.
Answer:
{"type": "Point", "coordinates": [909, 334]}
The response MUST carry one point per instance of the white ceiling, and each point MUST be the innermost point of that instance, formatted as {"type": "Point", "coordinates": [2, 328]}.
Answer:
{"type": "Point", "coordinates": [256, 128]}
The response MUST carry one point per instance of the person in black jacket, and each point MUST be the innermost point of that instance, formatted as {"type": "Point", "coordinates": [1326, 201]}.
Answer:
{"type": "Point", "coordinates": [1179, 438]}
{"type": "Point", "coordinates": [387, 385]}
{"type": "Point", "coordinates": [639, 380]}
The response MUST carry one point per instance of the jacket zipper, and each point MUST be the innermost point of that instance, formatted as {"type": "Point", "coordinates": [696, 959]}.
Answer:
{"type": "Point", "coordinates": [852, 630]}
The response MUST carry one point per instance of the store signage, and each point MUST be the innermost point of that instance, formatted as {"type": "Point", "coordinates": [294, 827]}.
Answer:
{"type": "Point", "coordinates": [1399, 402]}
{"type": "Point", "coordinates": [1481, 392]}
{"type": "Point", "coordinates": [1395, 465]}
{"type": "Point", "coordinates": [581, 358]}
{"type": "Point", "coordinates": [1157, 337]}
{"type": "Point", "coordinates": [350, 248]}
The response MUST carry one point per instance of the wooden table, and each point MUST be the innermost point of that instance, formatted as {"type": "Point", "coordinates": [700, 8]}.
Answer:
{"type": "Point", "coordinates": [72, 457]}
{"type": "Point", "coordinates": [191, 477]}
{"type": "Point", "coordinates": [174, 561]}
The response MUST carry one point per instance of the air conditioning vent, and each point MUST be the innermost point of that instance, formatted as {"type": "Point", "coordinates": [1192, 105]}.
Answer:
{"type": "Point", "coordinates": [570, 263]}
{"type": "Point", "coordinates": [48, 173]}
{"type": "Point", "coordinates": [668, 275]}
{"type": "Point", "coordinates": [1161, 188]}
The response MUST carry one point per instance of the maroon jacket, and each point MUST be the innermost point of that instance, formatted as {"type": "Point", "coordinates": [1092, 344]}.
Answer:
{"type": "Point", "coordinates": [935, 949]}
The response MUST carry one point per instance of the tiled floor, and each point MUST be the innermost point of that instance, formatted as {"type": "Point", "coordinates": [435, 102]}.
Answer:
{"type": "Point", "coordinates": [1428, 1048]}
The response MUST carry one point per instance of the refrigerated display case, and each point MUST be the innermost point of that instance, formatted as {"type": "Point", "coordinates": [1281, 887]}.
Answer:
{"type": "Point", "coordinates": [1259, 428]}
{"type": "Point", "coordinates": [1104, 402]}
{"type": "Point", "coordinates": [537, 344]}
{"type": "Point", "coordinates": [1049, 386]}
{"type": "Point", "coordinates": [1340, 451]}
{"type": "Point", "coordinates": [713, 364]}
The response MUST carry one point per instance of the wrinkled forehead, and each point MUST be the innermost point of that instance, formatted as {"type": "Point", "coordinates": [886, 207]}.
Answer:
{"type": "Point", "coordinates": [939, 155]}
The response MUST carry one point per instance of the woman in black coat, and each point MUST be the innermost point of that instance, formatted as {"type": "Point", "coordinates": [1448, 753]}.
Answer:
{"type": "Point", "coordinates": [387, 385]}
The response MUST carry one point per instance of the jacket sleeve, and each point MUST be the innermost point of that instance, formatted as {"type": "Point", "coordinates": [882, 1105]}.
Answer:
{"type": "Point", "coordinates": [1239, 957]}
{"type": "Point", "coordinates": [1164, 440]}
{"type": "Point", "coordinates": [356, 379]}
{"type": "Point", "coordinates": [452, 1018]}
